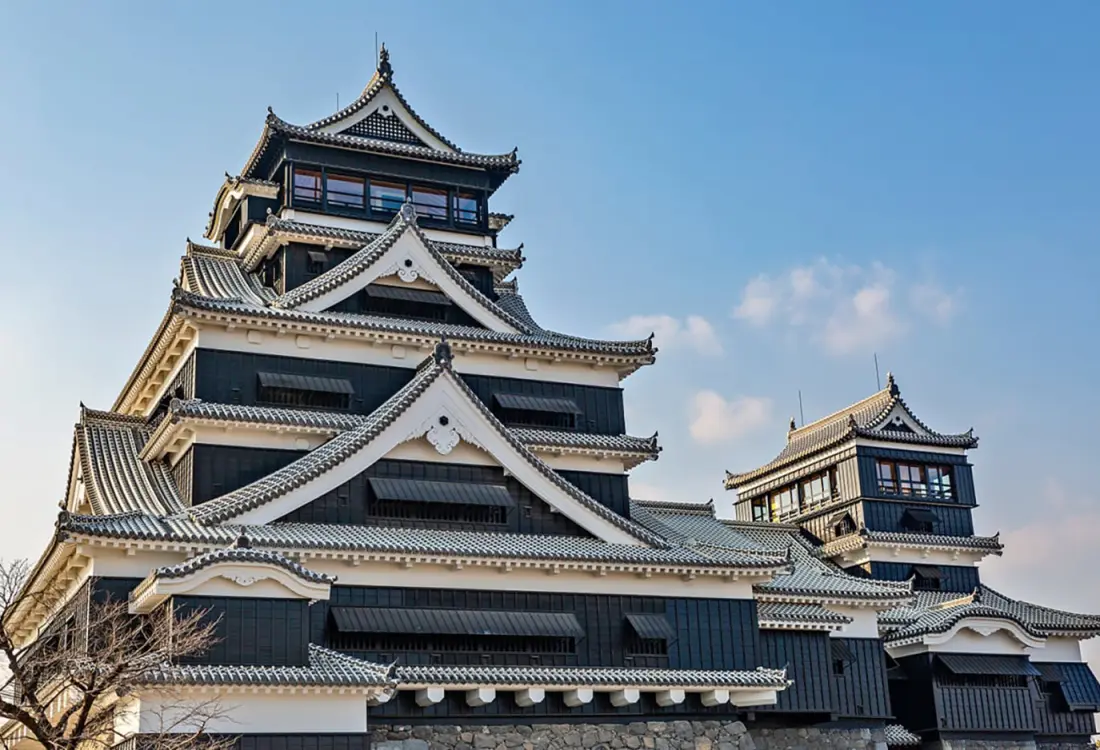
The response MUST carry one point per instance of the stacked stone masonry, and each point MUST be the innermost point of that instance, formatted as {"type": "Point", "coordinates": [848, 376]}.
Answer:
{"type": "Point", "coordinates": [654, 735]}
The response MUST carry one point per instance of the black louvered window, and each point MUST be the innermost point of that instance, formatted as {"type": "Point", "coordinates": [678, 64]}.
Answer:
{"type": "Point", "coordinates": [518, 410]}
{"type": "Point", "coordinates": [304, 392]}
{"type": "Point", "coordinates": [926, 578]}
{"type": "Point", "coordinates": [412, 500]}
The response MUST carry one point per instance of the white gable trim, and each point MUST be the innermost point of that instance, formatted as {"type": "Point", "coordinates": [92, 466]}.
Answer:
{"type": "Point", "coordinates": [900, 415]}
{"type": "Point", "coordinates": [405, 262]}
{"type": "Point", "coordinates": [234, 579]}
{"type": "Point", "coordinates": [387, 103]}
{"type": "Point", "coordinates": [444, 415]}
{"type": "Point", "coordinates": [973, 635]}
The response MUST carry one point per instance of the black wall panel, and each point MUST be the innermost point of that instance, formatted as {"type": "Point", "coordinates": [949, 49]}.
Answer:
{"type": "Point", "coordinates": [254, 631]}
{"type": "Point", "coordinates": [963, 477]}
{"type": "Point", "coordinates": [861, 690]}
{"type": "Point", "coordinates": [961, 578]}
{"type": "Point", "coordinates": [611, 490]}
{"type": "Point", "coordinates": [230, 378]}
{"type": "Point", "coordinates": [347, 504]}
{"type": "Point", "coordinates": [886, 516]}
{"type": "Point", "coordinates": [218, 469]}
{"type": "Point", "coordinates": [714, 633]}
{"type": "Point", "coordinates": [808, 660]}
{"type": "Point", "coordinates": [183, 473]}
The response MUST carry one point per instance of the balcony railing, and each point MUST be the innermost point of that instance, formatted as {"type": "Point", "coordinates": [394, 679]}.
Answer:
{"type": "Point", "coordinates": [911, 488]}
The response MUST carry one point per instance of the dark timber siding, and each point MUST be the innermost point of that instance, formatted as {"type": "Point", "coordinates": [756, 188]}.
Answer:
{"type": "Point", "coordinates": [230, 378]}
{"type": "Point", "coordinates": [808, 660]}
{"type": "Point", "coordinates": [304, 742]}
{"type": "Point", "coordinates": [1051, 718]}
{"type": "Point", "coordinates": [393, 167]}
{"type": "Point", "coordinates": [347, 504]}
{"type": "Point", "coordinates": [265, 632]}
{"type": "Point", "coordinates": [886, 516]}
{"type": "Point", "coordinates": [714, 633]}
{"type": "Point", "coordinates": [976, 709]}
{"type": "Point", "coordinates": [963, 478]}
{"type": "Point", "coordinates": [218, 469]}
{"type": "Point", "coordinates": [861, 691]}
{"type": "Point", "coordinates": [183, 473]}
{"type": "Point", "coordinates": [610, 490]}
{"type": "Point", "coordinates": [961, 578]}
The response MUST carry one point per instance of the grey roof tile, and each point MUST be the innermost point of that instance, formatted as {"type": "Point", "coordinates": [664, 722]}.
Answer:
{"type": "Point", "coordinates": [809, 576]}
{"type": "Point", "coordinates": [326, 669]}
{"type": "Point", "coordinates": [858, 420]}
{"type": "Point", "coordinates": [289, 537]}
{"type": "Point", "coordinates": [239, 555]}
{"type": "Point", "coordinates": [770, 613]}
{"type": "Point", "coordinates": [116, 480]}
{"type": "Point", "coordinates": [595, 676]}
{"type": "Point", "coordinates": [899, 736]}
{"type": "Point", "coordinates": [864, 537]}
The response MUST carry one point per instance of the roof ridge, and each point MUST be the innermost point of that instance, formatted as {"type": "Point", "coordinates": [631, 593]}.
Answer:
{"type": "Point", "coordinates": [841, 413]}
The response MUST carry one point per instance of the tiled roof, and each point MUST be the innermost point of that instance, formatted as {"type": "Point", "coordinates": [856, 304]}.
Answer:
{"type": "Point", "coordinates": [897, 736]}
{"type": "Point", "coordinates": [405, 221]}
{"type": "Point", "coordinates": [861, 419]}
{"type": "Point", "coordinates": [276, 126]}
{"type": "Point", "coordinates": [771, 614]}
{"type": "Point", "coordinates": [990, 544]}
{"type": "Point", "coordinates": [809, 577]}
{"type": "Point", "coordinates": [382, 78]}
{"type": "Point", "coordinates": [594, 676]}
{"type": "Point", "coordinates": [327, 421]}
{"type": "Point", "coordinates": [242, 555]}
{"type": "Point", "coordinates": [938, 612]}
{"type": "Point", "coordinates": [219, 277]}
{"type": "Point", "coordinates": [232, 183]}
{"type": "Point", "coordinates": [503, 260]}
{"type": "Point", "coordinates": [290, 537]}
{"type": "Point", "coordinates": [116, 480]}
{"type": "Point", "coordinates": [641, 351]}
{"type": "Point", "coordinates": [326, 669]}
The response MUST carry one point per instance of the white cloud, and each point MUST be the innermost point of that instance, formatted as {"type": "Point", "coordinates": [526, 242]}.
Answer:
{"type": "Point", "coordinates": [693, 332]}
{"type": "Point", "coordinates": [845, 309]}
{"type": "Point", "coordinates": [714, 419]}
{"type": "Point", "coordinates": [934, 302]}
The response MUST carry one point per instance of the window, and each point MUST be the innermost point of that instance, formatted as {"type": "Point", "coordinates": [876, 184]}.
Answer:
{"type": "Point", "coordinates": [400, 510]}
{"type": "Point", "coordinates": [520, 410]}
{"type": "Point", "coordinates": [466, 208]}
{"type": "Point", "coordinates": [344, 191]}
{"type": "Point", "coordinates": [315, 262]}
{"type": "Point", "coordinates": [476, 646]}
{"type": "Point", "coordinates": [759, 509]}
{"type": "Point", "coordinates": [304, 392]}
{"type": "Point", "coordinates": [307, 185]}
{"type": "Point", "coordinates": [887, 481]}
{"type": "Point", "coordinates": [911, 480]}
{"type": "Point", "coordinates": [926, 578]}
{"type": "Point", "coordinates": [636, 646]}
{"type": "Point", "coordinates": [939, 481]}
{"type": "Point", "coordinates": [429, 202]}
{"type": "Point", "coordinates": [386, 197]}
{"type": "Point", "coordinates": [919, 520]}
{"type": "Point", "coordinates": [817, 489]}
{"type": "Point", "coordinates": [784, 503]}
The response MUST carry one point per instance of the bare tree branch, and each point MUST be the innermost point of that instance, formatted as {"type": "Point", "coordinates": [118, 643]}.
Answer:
{"type": "Point", "coordinates": [63, 687]}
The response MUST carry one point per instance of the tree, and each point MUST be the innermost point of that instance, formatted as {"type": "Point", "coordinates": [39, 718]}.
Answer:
{"type": "Point", "coordinates": [63, 689]}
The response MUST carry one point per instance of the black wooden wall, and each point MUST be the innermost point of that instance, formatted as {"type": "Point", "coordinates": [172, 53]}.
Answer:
{"type": "Point", "coordinates": [714, 633]}
{"type": "Point", "coordinates": [230, 378]}
{"type": "Point", "coordinates": [961, 578]}
{"type": "Point", "coordinates": [183, 473]}
{"type": "Point", "coordinates": [879, 515]}
{"type": "Point", "coordinates": [861, 689]}
{"type": "Point", "coordinates": [611, 490]}
{"type": "Point", "coordinates": [218, 469]}
{"type": "Point", "coordinates": [252, 631]}
{"type": "Point", "coordinates": [962, 472]}
{"type": "Point", "coordinates": [347, 504]}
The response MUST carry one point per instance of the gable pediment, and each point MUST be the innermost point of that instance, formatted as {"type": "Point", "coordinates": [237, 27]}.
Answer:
{"type": "Point", "coordinates": [442, 412]}
{"type": "Point", "coordinates": [400, 258]}
{"type": "Point", "coordinates": [900, 422]}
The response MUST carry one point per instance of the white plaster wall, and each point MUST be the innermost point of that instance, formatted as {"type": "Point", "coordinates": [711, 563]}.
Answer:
{"type": "Point", "coordinates": [864, 622]}
{"type": "Point", "coordinates": [484, 578]}
{"type": "Point", "coordinates": [923, 556]}
{"type": "Point", "coordinates": [257, 437]}
{"type": "Point", "coordinates": [262, 341]}
{"type": "Point", "coordinates": [967, 641]}
{"type": "Point", "coordinates": [267, 713]}
{"type": "Point", "coordinates": [362, 225]}
{"type": "Point", "coordinates": [1057, 649]}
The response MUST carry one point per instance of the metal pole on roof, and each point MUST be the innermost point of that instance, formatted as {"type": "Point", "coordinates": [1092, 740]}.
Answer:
{"type": "Point", "coordinates": [878, 380]}
{"type": "Point", "coordinates": [801, 414]}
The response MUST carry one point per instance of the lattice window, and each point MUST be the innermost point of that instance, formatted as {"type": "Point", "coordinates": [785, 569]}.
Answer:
{"type": "Point", "coordinates": [400, 510]}
{"type": "Point", "coordinates": [454, 644]}
{"type": "Point", "coordinates": [376, 125]}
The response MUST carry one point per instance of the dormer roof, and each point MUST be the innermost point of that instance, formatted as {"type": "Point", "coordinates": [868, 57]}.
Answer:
{"type": "Point", "coordinates": [882, 416]}
{"type": "Point", "coordinates": [379, 121]}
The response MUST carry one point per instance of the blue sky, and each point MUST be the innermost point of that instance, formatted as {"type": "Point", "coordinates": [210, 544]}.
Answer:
{"type": "Point", "coordinates": [779, 189]}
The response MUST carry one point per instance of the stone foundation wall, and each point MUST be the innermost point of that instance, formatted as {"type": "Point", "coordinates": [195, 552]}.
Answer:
{"type": "Point", "coordinates": [959, 744]}
{"type": "Point", "coordinates": [653, 735]}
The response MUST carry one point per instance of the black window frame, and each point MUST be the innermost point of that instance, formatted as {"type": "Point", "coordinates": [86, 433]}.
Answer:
{"type": "Point", "coordinates": [894, 486]}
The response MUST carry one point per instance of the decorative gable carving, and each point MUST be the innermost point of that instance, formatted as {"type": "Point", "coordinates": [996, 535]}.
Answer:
{"type": "Point", "coordinates": [384, 125]}
{"type": "Point", "coordinates": [899, 420]}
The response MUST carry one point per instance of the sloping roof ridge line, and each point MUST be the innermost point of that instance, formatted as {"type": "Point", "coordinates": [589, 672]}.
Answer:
{"type": "Point", "coordinates": [736, 523]}
{"type": "Point", "coordinates": [382, 77]}
{"type": "Point", "coordinates": [404, 221]}
{"type": "Point", "coordinates": [952, 603]}
{"type": "Point", "coordinates": [983, 589]}
{"type": "Point", "coordinates": [850, 409]}
{"type": "Point", "coordinates": [706, 508]}
{"type": "Point", "coordinates": [89, 415]}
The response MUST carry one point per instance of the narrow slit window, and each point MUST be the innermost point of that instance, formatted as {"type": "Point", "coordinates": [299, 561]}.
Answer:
{"type": "Point", "coordinates": [887, 481]}
{"type": "Point", "coordinates": [466, 208]}
{"type": "Point", "coordinates": [315, 262]}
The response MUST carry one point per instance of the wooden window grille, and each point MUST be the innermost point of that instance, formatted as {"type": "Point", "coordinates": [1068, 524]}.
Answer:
{"type": "Point", "coordinates": [301, 398]}
{"type": "Point", "coordinates": [454, 644]}
{"type": "Point", "coordinates": [400, 308]}
{"type": "Point", "coordinates": [532, 418]}
{"type": "Point", "coordinates": [400, 510]}
{"type": "Point", "coordinates": [637, 646]}
{"type": "Point", "coordinates": [307, 186]}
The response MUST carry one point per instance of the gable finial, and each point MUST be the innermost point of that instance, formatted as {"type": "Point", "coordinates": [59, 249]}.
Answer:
{"type": "Point", "coordinates": [892, 385]}
{"type": "Point", "coordinates": [408, 211]}
{"type": "Point", "coordinates": [242, 542]}
{"type": "Point", "coordinates": [443, 355]}
{"type": "Point", "coordinates": [852, 420]}
{"type": "Point", "coordinates": [384, 68]}
{"type": "Point", "coordinates": [792, 426]}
